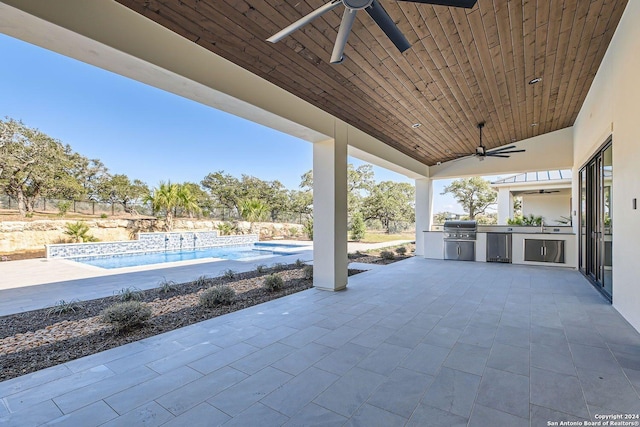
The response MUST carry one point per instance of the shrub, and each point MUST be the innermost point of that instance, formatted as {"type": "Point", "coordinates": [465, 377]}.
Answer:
{"type": "Point", "coordinates": [129, 294]}
{"type": "Point", "coordinates": [79, 232]}
{"type": "Point", "coordinates": [388, 255]}
{"type": "Point", "coordinates": [202, 281]}
{"type": "Point", "coordinates": [229, 274]}
{"type": "Point", "coordinates": [226, 228]}
{"type": "Point", "coordinates": [63, 207]}
{"type": "Point", "coordinates": [293, 231]}
{"type": "Point", "coordinates": [308, 272]}
{"type": "Point", "coordinates": [104, 216]}
{"type": "Point", "coordinates": [63, 307]}
{"type": "Point", "coordinates": [278, 266]}
{"type": "Point", "coordinates": [167, 286]}
{"type": "Point", "coordinates": [273, 282]}
{"type": "Point", "coordinates": [126, 315]}
{"type": "Point", "coordinates": [299, 263]}
{"type": "Point", "coordinates": [217, 295]}
{"type": "Point", "coordinates": [402, 250]}
{"type": "Point", "coordinates": [308, 228]}
{"type": "Point", "coordinates": [357, 227]}
{"type": "Point", "coordinates": [261, 268]}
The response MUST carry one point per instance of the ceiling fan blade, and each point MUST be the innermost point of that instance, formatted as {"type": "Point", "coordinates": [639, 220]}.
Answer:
{"type": "Point", "coordinates": [386, 24]}
{"type": "Point", "coordinates": [467, 4]}
{"type": "Point", "coordinates": [497, 155]}
{"type": "Point", "coordinates": [507, 152]}
{"type": "Point", "coordinates": [304, 21]}
{"type": "Point", "coordinates": [503, 148]}
{"type": "Point", "coordinates": [348, 19]}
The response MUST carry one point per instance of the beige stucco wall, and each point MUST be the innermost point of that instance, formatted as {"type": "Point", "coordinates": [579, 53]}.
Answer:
{"type": "Point", "coordinates": [550, 207]}
{"type": "Point", "coordinates": [612, 108]}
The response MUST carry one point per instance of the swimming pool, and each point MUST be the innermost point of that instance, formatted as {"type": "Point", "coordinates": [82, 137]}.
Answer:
{"type": "Point", "coordinates": [246, 253]}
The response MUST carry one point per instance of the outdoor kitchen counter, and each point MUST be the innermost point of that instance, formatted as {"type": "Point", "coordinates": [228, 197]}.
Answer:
{"type": "Point", "coordinates": [434, 243]}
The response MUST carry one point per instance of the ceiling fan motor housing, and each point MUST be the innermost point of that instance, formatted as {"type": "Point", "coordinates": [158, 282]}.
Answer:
{"type": "Point", "coordinates": [357, 4]}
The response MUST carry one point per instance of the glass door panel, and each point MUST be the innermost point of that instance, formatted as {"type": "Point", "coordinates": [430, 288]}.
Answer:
{"type": "Point", "coordinates": [607, 219]}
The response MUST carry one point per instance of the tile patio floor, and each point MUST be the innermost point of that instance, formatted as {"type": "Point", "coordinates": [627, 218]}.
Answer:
{"type": "Point", "coordinates": [417, 343]}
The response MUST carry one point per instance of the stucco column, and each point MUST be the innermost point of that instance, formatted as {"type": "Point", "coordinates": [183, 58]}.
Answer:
{"type": "Point", "coordinates": [424, 211]}
{"type": "Point", "coordinates": [330, 212]}
{"type": "Point", "coordinates": [505, 205]}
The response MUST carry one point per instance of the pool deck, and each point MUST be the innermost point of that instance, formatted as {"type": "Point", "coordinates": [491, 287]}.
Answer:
{"type": "Point", "coordinates": [38, 283]}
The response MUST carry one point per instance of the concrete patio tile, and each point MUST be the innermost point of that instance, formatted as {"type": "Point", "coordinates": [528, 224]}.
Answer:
{"type": "Point", "coordinates": [25, 382]}
{"type": "Point", "coordinates": [305, 336]}
{"type": "Point", "coordinates": [468, 358]}
{"type": "Point", "coordinates": [348, 393]}
{"type": "Point", "coordinates": [341, 360]}
{"type": "Point", "coordinates": [190, 395]}
{"type": "Point", "coordinates": [384, 359]}
{"type": "Point", "coordinates": [271, 336]}
{"type": "Point", "coordinates": [611, 390]}
{"type": "Point", "coordinates": [148, 415]}
{"type": "Point", "coordinates": [86, 395]}
{"type": "Point", "coordinates": [35, 415]}
{"type": "Point", "coordinates": [140, 394]}
{"type": "Point", "coordinates": [313, 415]}
{"type": "Point", "coordinates": [426, 415]}
{"type": "Point", "coordinates": [483, 416]}
{"type": "Point", "coordinates": [51, 389]}
{"type": "Point", "coordinates": [369, 415]}
{"type": "Point", "coordinates": [293, 396]}
{"type": "Point", "coordinates": [334, 320]}
{"type": "Point", "coordinates": [504, 391]}
{"type": "Point", "coordinates": [183, 357]}
{"type": "Point", "coordinates": [339, 336]}
{"type": "Point", "coordinates": [548, 336]}
{"type": "Point", "coordinates": [541, 416]}
{"type": "Point", "coordinates": [373, 337]}
{"type": "Point", "coordinates": [94, 414]}
{"type": "Point", "coordinates": [453, 391]}
{"type": "Point", "coordinates": [152, 353]}
{"type": "Point", "coordinates": [301, 359]}
{"type": "Point", "coordinates": [408, 336]}
{"type": "Point", "coordinates": [562, 393]}
{"type": "Point", "coordinates": [553, 358]}
{"type": "Point", "coordinates": [594, 358]}
{"type": "Point", "coordinates": [262, 358]}
{"type": "Point", "coordinates": [224, 357]}
{"type": "Point", "coordinates": [401, 393]}
{"type": "Point", "coordinates": [105, 357]}
{"type": "Point", "coordinates": [511, 335]}
{"type": "Point", "coordinates": [443, 336]}
{"type": "Point", "coordinates": [203, 415]}
{"type": "Point", "coordinates": [425, 358]}
{"type": "Point", "coordinates": [509, 358]}
{"type": "Point", "coordinates": [260, 414]}
{"type": "Point", "coordinates": [634, 378]}
{"type": "Point", "coordinates": [244, 394]}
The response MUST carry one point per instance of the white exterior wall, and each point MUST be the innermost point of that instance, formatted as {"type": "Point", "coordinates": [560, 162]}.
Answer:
{"type": "Point", "coordinates": [505, 205]}
{"type": "Point", "coordinates": [612, 107]}
{"type": "Point", "coordinates": [550, 207]}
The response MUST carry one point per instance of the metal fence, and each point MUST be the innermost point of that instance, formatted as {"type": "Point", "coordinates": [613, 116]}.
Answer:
{"type": "Point", "coordinates": [88, 207]}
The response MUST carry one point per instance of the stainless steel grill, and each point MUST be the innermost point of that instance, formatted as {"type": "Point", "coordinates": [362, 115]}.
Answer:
{"type": "Point", "coordinates": [460, 240]}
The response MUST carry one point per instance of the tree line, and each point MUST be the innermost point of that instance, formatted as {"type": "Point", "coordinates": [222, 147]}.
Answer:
{"type": "Point", "coordinates": [34, 165]}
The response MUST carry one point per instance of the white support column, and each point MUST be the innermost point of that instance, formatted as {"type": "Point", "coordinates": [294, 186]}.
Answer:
{"type": "Point", "coordinates": [424, 211]}
{"type": "Point", "coordinates": [330, 212]}
{"type": "Point", "coordinates": [505, 205]}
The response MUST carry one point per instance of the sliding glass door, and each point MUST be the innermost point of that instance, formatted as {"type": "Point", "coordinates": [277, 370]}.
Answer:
{"type": "Point", "coordinates": [596, 237]}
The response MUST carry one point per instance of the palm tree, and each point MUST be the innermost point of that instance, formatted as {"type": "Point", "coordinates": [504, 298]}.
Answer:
{"type": "Point", "coordinates": [166, 197]}
{"type": "Point", "coordinates": [188, 201]}
{"type": "Point", "coordinates": [253, 210]}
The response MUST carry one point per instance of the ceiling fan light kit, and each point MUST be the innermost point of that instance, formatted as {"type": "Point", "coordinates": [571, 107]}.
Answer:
{"type": "Point", "coordinates": [375, 11]}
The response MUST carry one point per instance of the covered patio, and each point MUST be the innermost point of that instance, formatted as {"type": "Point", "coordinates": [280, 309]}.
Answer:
{"type": "Point", "coordinates": [419, 342]}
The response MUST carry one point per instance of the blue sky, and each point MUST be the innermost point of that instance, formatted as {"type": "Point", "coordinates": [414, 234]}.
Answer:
{"type": "Point", "coordinates": [144, 132]}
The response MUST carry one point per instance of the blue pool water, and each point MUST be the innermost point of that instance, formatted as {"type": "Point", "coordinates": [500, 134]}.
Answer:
{"type": "Point", "coordinates": [257, 251]}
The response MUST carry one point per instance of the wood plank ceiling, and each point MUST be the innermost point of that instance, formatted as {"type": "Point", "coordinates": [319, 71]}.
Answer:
{"type": "Point", "coordinates": [465, 65]}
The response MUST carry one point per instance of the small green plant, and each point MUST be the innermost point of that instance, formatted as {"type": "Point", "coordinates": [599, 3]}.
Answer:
{"type": "Point", "coordinates": [202, 281]}
{"type": "Point", "coordinates": [278, 266]}
{"type": "Point", "coordinates": [126, 315]}
{"type": "Point", "coordinates": [79, 232]}
{"type": "Point", "coordinates": [402, 250]}
{"type": "Point", "coordinates": [226, 228]}
{"type": "Point", "coordinates": [63, 207]}
{"type": "Point", "coordinates": [308, 272]}
{"type": "Point", "coordinates": [229, 274]}
{"type": "Point", "coordinates": [388, 255]}
{"type": "Point", "coordinates": [129, 294]}
{"type": "Point", "coordinates": [29, 215]}
{"type": "Point", "coordinates": [307, 227]}
{"type": "Point", "coordinates": [104, 216]}
{"type": "Point", "coordinates": [273, 282]}
{"type": "Point", "coordinates": [217, 295]}
{"type": "Point", "coordinates": [293, 231]}
{"type": "Point", "coordinates": [299, 263]}
{"type": "Point", "coordinates": [357, 227]}
{"type": "Point", "coordinates": [261, 268]}
{"type": "Point", "coordinates": [167, 286]}
{"type": "Point", "coordinates": [526, 220]}
{"type": "Point", "coordinates": [63, 307]}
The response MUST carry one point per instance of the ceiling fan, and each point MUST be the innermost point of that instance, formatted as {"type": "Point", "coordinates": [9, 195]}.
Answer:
{"type": "Point", "coordinates": [482, 152]}
{"type": "Point", "coordinates": [542, 192]}
{"type": "Point", "coordinates": [375, 11]}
